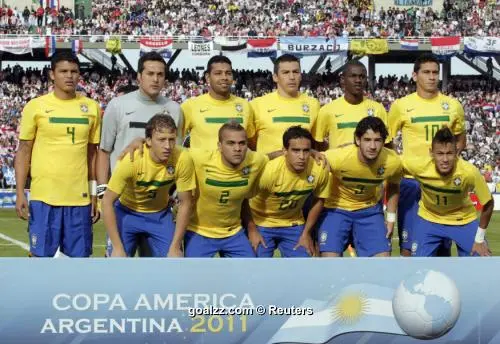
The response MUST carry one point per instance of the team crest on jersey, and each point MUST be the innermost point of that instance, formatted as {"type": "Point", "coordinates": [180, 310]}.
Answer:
{"type": "Point", "coordinates": [457, 181]}
{"type": "Point", "coordinates": [239, 108]}
{"type": "Point", "coordinates": [34, 240]}
{"type": "Point", "coordinates": [323, 236]}
{"type": "Point", "coordinates": [246, 171]}
{"type": "Point", "coordinates": [305, 107]}
{"type": "Point", "coordinates": [371, 112]}
{"type": "Point", "coordinates": [380, 171]}
{"type": "Point", "coordinates": [445, 106]}
{"type": "Point", "coordinates": [310, 179]}
{"type": "Point", "coordinates": [170, 169]}
{"type": "Point", "coordinates": [84, 108]}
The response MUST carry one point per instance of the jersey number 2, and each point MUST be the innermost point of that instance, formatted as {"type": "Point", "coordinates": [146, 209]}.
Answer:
{"type": "Point", "coordinates": [224, 197]}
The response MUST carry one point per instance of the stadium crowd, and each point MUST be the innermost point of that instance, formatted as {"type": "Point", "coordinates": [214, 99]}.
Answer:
{"type": "Point", "coordinates": [353, 18]}
{"type": "Point", "coordinates": [479, 96]}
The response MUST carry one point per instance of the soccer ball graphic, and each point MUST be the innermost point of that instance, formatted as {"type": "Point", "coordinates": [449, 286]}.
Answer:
{"type": "Point", "coordinates": [426, 305]}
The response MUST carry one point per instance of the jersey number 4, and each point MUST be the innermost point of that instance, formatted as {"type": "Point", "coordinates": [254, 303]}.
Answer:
{"type": "Point", "coordinates": [71, 131]}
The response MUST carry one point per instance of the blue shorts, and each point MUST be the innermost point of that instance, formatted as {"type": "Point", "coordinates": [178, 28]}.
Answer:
{"type": "Point", "coordinates": [237, 245]}
{"type": "Point", "coordinates": [431, 235]}
{"type": "Point", "coordinates": [283, 238]}
{"type": "Point", "coordinates": [367, 227]}
{"type": "Point", "coordinates": [158, 228]}
{"type": "Point", "coordinates": [68, 228]}
{"type": "Point", "coordinates": [409, 196]}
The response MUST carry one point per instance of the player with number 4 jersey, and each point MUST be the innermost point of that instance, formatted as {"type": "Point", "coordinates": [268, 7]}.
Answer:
{"type": "Point", "coordinates": [59, 136]}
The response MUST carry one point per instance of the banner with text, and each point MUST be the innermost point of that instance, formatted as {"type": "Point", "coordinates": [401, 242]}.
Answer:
{"type": "Point", "coordinates": [434, 4]}
{"type": "Point", "coordinates": [201, 49]}
{"type": "Point", "coordinates": [213, 301]}
{"type": "Point", "coordinates": [313, 45]}
{"type": "Point", "coordinates": [445, 46]}
{"type": "Point", "coordinates": [161, 45]}
{"type": "Point", "coordinates": [484, 46]}
{"type": "Point", "coordinates": [17, 46]}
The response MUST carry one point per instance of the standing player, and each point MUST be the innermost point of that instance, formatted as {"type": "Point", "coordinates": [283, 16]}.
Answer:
{"type": "Point", "coordinates": [204, 114]}
{"type": "Point", "coordinates": [142, 187]}
{"type": "Point", "coordinates": [283, 188]}
{"type": "Point", "coordinates": [225, 178]}
{"type": "Point", "coordinates": [446, 211]}
{"type": "Point", "coordinates": [126, 116]}
{"type": "Point", "coordinates": [275, 112]}
{"type": "Point", "coordinates": [419, 116]}
{"type": "Point", "coordinates": [358, 171]}
{"type": "Point", "coordinates": [338, 119]}
{"type": "Point", "coordinates": [59, 136]}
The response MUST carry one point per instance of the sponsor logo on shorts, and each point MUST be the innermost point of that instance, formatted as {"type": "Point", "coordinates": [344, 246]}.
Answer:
{"type": "Point", "coordinates": [323, 236]}
{"type": "Point", "coordinates": [414, 247]}
{"type": "Point", "coordinates": [34, 240]}
{"type": "Point", "coordinates": [405, 236]}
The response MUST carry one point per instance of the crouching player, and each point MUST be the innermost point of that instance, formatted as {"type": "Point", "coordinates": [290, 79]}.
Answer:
{"type": "Point", "coordinates": [358, 171]}
{"type": "Point", "coordinates": [136, 199]}
{"type": "Point", "coordinates": [445, 210]}
{"type": "Point", "coordinates": [225, 179]}
{"type": "Point", "coordinates": [283, 188]}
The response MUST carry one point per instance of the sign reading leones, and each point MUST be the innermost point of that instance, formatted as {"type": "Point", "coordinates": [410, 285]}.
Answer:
{"type": "Point", "coordinates": [216, 301]}
{"type": "Point", "coordinates": [434, 4]}
{"type": "Point", "coordinates": [201, 49]}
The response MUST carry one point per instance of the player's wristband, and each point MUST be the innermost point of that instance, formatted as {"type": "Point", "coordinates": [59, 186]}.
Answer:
{"type": "Point", "coordinates": [93, 187]}
{"type": "Point", "coordinates": [480, 235]}
{"type": "Point", "coordinates": [101, 188]}
{"type": "Point", "coordinates": [391, 217]}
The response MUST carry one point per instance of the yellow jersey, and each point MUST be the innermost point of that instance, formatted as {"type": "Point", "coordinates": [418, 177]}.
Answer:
{"type": "Point", "coordinates": [356, 185]}
{"type": "Point", "coordinates": [337, 120]}
{"type": "Point", "coordinates": [446, 199]}
{"type": "Point", "coordinates": [419, 119]}
{"type": "Point", "coordinates": [220, 192]}
{"type": "Point", "coordinates": [282, 193]}
{"type": "Point", "coordinates": [62, 131]}
{"type": "Point", "coordinates": [274, 114]}
{"type": "Point", "coordinates": [143, 184]}
{"type": "Point", "coordinates": [204, 115]}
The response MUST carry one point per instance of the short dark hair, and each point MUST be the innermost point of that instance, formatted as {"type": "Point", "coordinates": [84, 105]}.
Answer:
{"type": "Point", "coordinates": [296, 132]}
{"type": "Point", "coordinates": [158, 122]}
{"type": "Point", "coordinates": [61, 56]}
{"type": "Point", "coordinates": [373, 123]}
{"type": "Point", "coordinates": [424, 58]}
{"type": "Point", "coordinates": [352, 63]}
{"type": "Point", "coordinates": [150, 56]}
{"type": "Point", "coordinates": [444, 136]}
{"type": "Point", "coordinates": [127, 89]}
{"type": "Point", "coordinates": [231, 125]}
{"type": "Point", "coordinates": [218, 59]}
{"type": "Point", "coordinates": [284, 58]}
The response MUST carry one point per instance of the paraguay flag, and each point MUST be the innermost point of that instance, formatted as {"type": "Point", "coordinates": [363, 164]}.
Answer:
{"type": "Point", "coordinates": [50, 45]}
{"type": "Point", "coordinates": [409, 44]}
{"type": "Point", "coordinates": [262, 47]}
{"type": "Point", "coordinates": [77, 46]}
{"type": "Point", "coordinates": [50, 3]}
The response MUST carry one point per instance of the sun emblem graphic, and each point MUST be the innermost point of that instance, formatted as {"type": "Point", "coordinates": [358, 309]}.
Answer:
{"type": "Point", "coordinates": [350, 308]}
